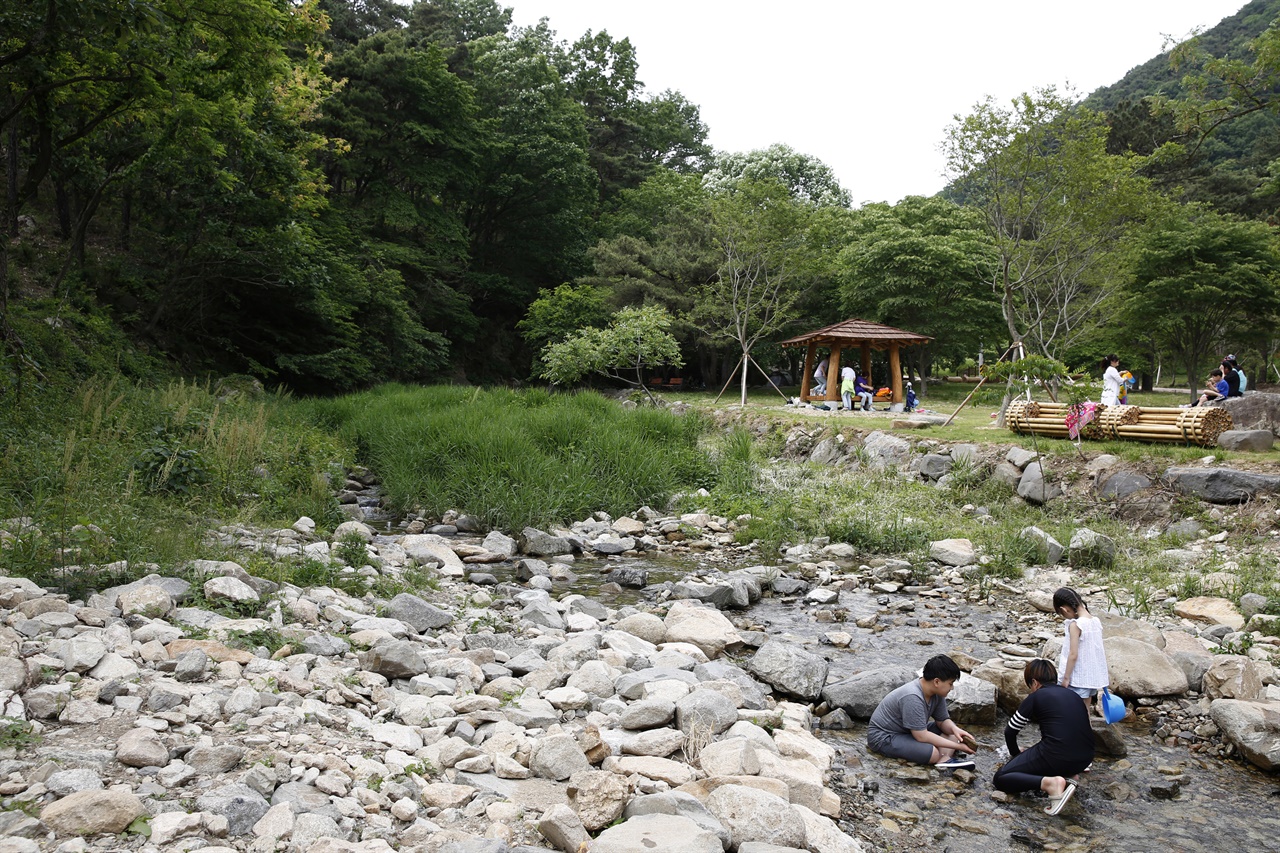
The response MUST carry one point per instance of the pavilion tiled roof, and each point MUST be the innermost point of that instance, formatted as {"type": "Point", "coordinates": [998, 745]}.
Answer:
{"type": "Point", "coordinates": [857, 331]}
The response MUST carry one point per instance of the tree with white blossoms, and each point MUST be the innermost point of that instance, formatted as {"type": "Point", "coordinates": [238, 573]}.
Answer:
{"type": "Point", "coordinates": [806, 178]}
{"type": "Point", "coordinates": [635, 339]}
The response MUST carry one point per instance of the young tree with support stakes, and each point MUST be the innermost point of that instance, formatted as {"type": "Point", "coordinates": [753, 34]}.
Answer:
{"type": "Point", "coordinates": [759, 231]}
{"type": "Point", "coordinates": [635, 339]}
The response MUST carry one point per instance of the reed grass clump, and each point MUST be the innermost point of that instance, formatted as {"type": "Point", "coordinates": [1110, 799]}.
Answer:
{"type": "Point", "coordinates": [518, 458]}
{"type": "Point", "coordinates": [116, 474]}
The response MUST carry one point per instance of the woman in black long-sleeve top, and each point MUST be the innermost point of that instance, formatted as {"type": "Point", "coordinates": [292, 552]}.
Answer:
{"type": "Point", "coordinates": [1066, 742]}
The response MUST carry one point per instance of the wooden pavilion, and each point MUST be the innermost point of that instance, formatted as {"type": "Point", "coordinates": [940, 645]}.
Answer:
{"type": "Point", "coordinates": [864, 335]}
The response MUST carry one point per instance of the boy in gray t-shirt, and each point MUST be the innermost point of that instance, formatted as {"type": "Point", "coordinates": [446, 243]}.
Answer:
{"type": "Point", "coordinates": [900, 726]}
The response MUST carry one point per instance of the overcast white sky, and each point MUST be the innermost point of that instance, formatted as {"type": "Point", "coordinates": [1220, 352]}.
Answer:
{"type": "Point", "coordinates": [869, 87]}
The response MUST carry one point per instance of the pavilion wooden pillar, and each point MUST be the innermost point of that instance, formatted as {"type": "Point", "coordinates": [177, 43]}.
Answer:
{"type": "Point", "coordinates": [895, 373]}
{"type": "Point", "coordinates": [808, 372]}
{"type": "Point", "coordinates": [833, 374]}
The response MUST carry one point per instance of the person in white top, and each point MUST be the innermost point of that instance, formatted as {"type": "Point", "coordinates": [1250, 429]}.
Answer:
{"type": "Point", "coordinates": [1082, 661]}
{"type": "Point", "coordinates": [1111, 382]}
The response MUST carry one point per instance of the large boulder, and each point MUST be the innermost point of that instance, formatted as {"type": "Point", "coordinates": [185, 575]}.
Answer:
{"type": "Point", "coordinates": [953, 552]}
{"type": "Point", "coordinates": [1034, 488]}
{"type": "Point", "coordinates": [93, 812]}
{"type": "Point", "coordinates": [1252, 727]}
{"type": "Point", "coordinates": [972, 701]}
{"type": "Point", "coordinates": [860, 694]}
{"type": "Point", "coordinates": [650, 833]}
{"type": "Point", "coordinates": [1221, 485]}
{"type": "Point", "coordinates": [1247, 440]}
{"type": "Point", "coordinates": [539, 543]}
{"type": "Point", "coordinates": [1215, 611]}
{"type": "Point", "coordinates": [680, 804]}
{"type": "Point", "coordinates": [1233, 677]}
{"type": "Point", "coordinates": [754, 815]}
{"type": "Point", "coordinates": [1139, 669]}
{"type": "Point", "coordinates": [883, 450]}
{"type": "Point", "coordinates": [1254, 411]}
{"type": "Point", "coordinates": [791, 669]}
{"type": "Point", "coordinates": [1007, 679]}
{"type": "Point", "coordinates": [704, 627]}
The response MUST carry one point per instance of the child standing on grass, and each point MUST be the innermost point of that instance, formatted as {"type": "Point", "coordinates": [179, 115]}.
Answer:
{"type": "Point", "coordinates": [1082, 661]}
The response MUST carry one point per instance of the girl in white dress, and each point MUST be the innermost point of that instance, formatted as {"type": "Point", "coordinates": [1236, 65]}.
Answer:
{"type": "Point", "coordinates": [1082, 663]}
{"type": "Point", "coordinates": [1111, 382]}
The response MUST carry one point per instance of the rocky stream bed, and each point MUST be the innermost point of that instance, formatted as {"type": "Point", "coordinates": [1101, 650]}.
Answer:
{"type": "Point", "coordinates": [634, 684]}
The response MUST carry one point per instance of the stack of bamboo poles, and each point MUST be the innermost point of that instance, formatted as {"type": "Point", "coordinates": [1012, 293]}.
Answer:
{"type": "Point", "coordinates": [1201, 425]}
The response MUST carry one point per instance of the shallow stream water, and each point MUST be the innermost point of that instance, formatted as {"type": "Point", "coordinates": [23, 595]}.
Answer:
{"type": "Point", "coordinates": [1222, 805]}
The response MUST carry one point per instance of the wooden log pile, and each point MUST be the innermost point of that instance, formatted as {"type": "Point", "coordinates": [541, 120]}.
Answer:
{"type": "Point", "coordinates": [1199, 426]}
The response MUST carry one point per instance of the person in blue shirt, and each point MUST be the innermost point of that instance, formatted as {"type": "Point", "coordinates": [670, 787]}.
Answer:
{"type": "Point", "coordinates": [1218, 388]}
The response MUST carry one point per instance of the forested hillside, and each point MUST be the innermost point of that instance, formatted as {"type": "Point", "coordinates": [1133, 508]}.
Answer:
{"type": "Point", "coordinates": [335, 193]}
{"type": "Point", "coordinates": [1225, 169]}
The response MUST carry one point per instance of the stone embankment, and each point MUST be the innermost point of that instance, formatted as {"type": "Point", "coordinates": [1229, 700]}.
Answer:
{"type": "Point", "coordinates": [489, 715]}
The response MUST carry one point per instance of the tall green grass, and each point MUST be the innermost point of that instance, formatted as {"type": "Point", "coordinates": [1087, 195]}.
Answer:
{"type": "Point", "coordinates": [117, 471]}
{"type": "Point", "coordinates": [518, 458]}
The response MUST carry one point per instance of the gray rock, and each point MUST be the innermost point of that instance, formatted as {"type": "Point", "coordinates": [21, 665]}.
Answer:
{"type": "Point", "coordinates": [530, 568]}
{"type": "Point", "coordinates": [1091, 550]}
{"type": "Point", "coordinates": [1049, 551]}
{"type": "Point", "coordinates": [92, 812]}
{"type": "Point", "coordinates": [310, 828]}
{"type": "Point", "coordinates": [647, 714]}
{"type": "Point", "coordinates": [212, 760]}
{"type": "Point", "coordinates": [1255, 410]}
{"type": "Point", "coordinates": [191, 666]}
{"type": "Point", "coordinates": [64, 782]}
{"type": "Point", "coordinates": [650, 833]}
{"type": "Point", "coordinates": [1008, 474]}
{"type": "Point", "coordinates": [754, 815]}
{"type": "Point", "coordinates": [558, 757]}
{"type": "Point", "coordinates": [860, 694]}
{"type": "Point", "coordinates": [1221, 485]}
{"type": "Point", "coordinates": [1248, 440]}
{"type": "Point", "coordinates": [1139, 669]}
{"type": "Point", "coordinates": [1121, 484]}
{"type": "Point", "coordinates": [141, 748]}
{"type": "Point", "coordinates": [398, 659]}
{"type": "Point", "coordinates": [678, 804]}
{"type": "Point", "coordinates": [629, 577]}
{"type": "Point", "coordinates": [933, 466]}
{"type": "Point", "coordinates": [953, 552]}
{"type": "Point", "coordinates": [539, 543]}
{"type": "Point", "coordinates": [884, 450]}
{"type": "Point", "coordinates": [238, 803]}
{"type": "Point", "coordinates": [303, 799]}
{"type": "Point", "coordinates": [1034, 488]}
{"type": "Point", "coordinates": [972, 701]}
{"type": "Point", "coordinates": [325, 645]}
{"type": "Point", "coordinates": [414, 611]}
{"type": "Point", "coordinates": [1251, 603]}
{"type": "Point", "coordinates": [1253, 727]}
{"type": "Point", "coordinates": [705, 709]}
{"type": "Point", "coordinates": [1021, 457]}
{"type": "Point", "coordinates": [561, 826]}
{"type": "Point", "coordinates": [790, 669]}
{"type": "Point", "coordinates": [827, 451]}
{"type": "Point", "coordinates": [631, 685]}
{"type": "Point", "coordinates": [499, 543]}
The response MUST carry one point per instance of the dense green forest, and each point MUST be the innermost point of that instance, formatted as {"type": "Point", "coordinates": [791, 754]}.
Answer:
{"type": "Point", "coordinates": [334, 193]}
